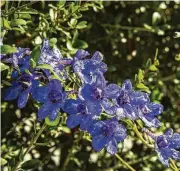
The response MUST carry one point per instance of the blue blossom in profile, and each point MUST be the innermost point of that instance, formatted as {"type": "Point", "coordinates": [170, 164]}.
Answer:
{"type": "Point", "coordinates": [166, 145]}
{"type": "Point", "coordinates": [87, 69]}
{"type": "Point", "coordinates": [16, 58]}
{"type": "Point", "coordinates": [52, 98]}
{"type": "Point", "coordinates": [100, 94]}
{"type": "Point", "coordinates": [149, 112]}
{"type": "Point", "coordinates": [20, 89]}
{"type": "Point", "coordinates": [128, 100]}
{"type": "Point", "coordinates": [80, 113]}
{"type": "Point", "coordinates": [107, 134]}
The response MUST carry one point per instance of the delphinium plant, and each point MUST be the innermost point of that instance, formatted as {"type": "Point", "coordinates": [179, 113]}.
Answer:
{"type": "Point", "coordinates": [104, 110]}
{"type": "Point", "coordinates": [73, 89]}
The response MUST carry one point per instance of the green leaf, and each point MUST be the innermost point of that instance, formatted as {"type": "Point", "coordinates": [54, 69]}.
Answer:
{"type": "Point", "coordinates": [80, 44]}
{"type": "Point", "coordinates": [52, 42]}
{"type": "Point", "coordinates": [153, 68]}
{"type": "Point", "coordinates": [45, 66]}
{"type": "Point", "coordinates": [65, 32]}
{"type": "Point", "coordinates": [61, 3]}
{"type": "Point", "coordinates": [148, 63]}
{"type": "Point", "coordinates": [142, 87]}
{"type": "Point", "coordinates": [65, 129]}
{"type": "Point", "coordinates": [32, 63]}
{"type": "Point", "coordinates": [6, 24]}
{"type": "Point", "coordinates": [17, 22]}
{"type": "Point", "coordinates": [35, 54]}
{"type": "Point", "coordinates": [53, 123]}
{"type": "Point", "coordinates": [3, 161]}
{"type": "Point", "coordinates": [31, 164]}
{"type": "Point", "coordinates": [140, 75]}
{"type": "Point", "coordinates": [3, 66]}
{"type": "Point", "coordinates": [7, 49]}
{"type": "Point", "coordinates": [81, 25]}
{"type": "Point", "coordinates": [73, 22]}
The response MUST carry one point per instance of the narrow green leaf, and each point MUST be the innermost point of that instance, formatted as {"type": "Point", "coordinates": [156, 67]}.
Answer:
{"type": "Point", "coordinates": [32, 63]}
{"type": "Point", "coordinates": [141, 86]}
{"type": "Point", "coordinates": [80, 44]}
{"type": "Point", "coordinates": [3, 161]}
{"type": "Point", "coordinates": [6, 24]}
{"type": "Point", "coordinates": [7, 49]}
{"type": "Point", "coordinates": [148, 63]}
{"type": "Point", "coordinates": [81, 25]}
{"type": "Point", "coordinates": [31, 164]}
{"type": "Point", "coordinates": [17, 22]}
{"type": "Point", "coordinates": [35, 54]}
{"type": "Point", "coordinates": [61, 3]}
{"type": "Point", "coordinates": [3, 66]}
{"type": "Point", "coordinates": [45, 66]}
{"type": "Point", "coordinates": [140, 75]}
{"type": "Point", "coordinates": [153, 68]}
{"type": "Point", "coordinates": [53, 123]}
{"type": "Point", "coordinates": [73, 22]}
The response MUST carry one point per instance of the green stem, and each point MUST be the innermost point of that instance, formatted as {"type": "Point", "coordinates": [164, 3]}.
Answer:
{"type": "Point", "coordinates": [173, 165]}
{"type": "Point", "coordinates": [125, 163]}
{"type": "Point", "coordinates": [140, 136]}
{"type": "Point", "coordinates": [18, 8]}
{"type": "Point", "coordinates": [32, 144]}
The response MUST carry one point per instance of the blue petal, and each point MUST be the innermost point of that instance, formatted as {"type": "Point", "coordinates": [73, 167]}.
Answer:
{"type": "Point", "coordinates": [169, 132]}
{"type": "Point", "coordinates": [130, 112]}
{"type": "Point", "coordinates": [139, 98]}
{"type": "Point", "coordinates": [40, 93]}
{"type": "Point", "coordinates": [23, 98]}
{"type": "Point", "coordinates": [120, 133]}
{"type": "Point", "coordinates": [97, 56]}
{"type": "Point", "coordinates": [150, 122]}
{"type": "Point", "coordinates": [156, 109]}
{"type": "Point", "coordinates": [80, 54]}
{"type": "Point", "coordinates": [86, 92]}
{"type": "Point", "coordinates": [112, 147]}
{"type": "Point", "coordinates": [111, 91]}
{"type": "Point", "coordinates": [97, 128]}
{"type": "Point", "coordinates": [73, 120]}
{"type": "Point", "coordinates": [127, 85]}
{"type": "Point", "coordinates": [13, 92]}
{"type": "Point", "coordinates": [85, 122]}
{"type": "Point", "coordinates": [174, 141]}
{"type": "Point", "coordinates": [94, 108]}
{"type": "Point", "coordinates": [100, 141]}
{"type": "Point", "coordinates": [70, 106]}
{"type": "Point", "coordinates": [14, 74]}
{"type": "Point", "coordinates": [53, 113]}
{"type": "Point", "coordinates": [108, 106]}
{"type": "Point", "coordinates": [55, 85]}
{"type": "Point", "coordinates": [44, 110]}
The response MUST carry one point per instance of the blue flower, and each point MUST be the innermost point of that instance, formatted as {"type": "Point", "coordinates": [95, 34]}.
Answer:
{"type": "Point", "coordinates": [100, 94]}
{"type": "Point", "coordinates": [166, 145]}
{"type": "Point", "coordinates": [52, 97]}
{"type": "Point", "coordinates": [23, 64]}
{"type": "Point", "coordinates": [87, 69]}
{"type": "Point", "coordinates": [20, 89]}
{"type": "Point", "coordinates": [80, 113]}
{"type": "Point", "coordinates": [107, 134]}
{"type": "Point", "coordinates": [149, 112]}
{"type": "Point", "coordinates": [128, 100]}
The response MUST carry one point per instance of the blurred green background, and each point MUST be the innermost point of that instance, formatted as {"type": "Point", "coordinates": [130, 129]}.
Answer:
{"type": "Point", "coordinates": [128, 34]}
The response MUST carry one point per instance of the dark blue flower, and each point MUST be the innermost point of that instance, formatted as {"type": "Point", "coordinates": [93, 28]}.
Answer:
{"type": "Point", "coordinates": [149, 112]}
{"type": "Point", "coordinates": [20, 89]}
{"type": "Point", "coordinates": [166, 145]}
{"type": "Point", "coordinates": [52, 97]}
{"type": "Point", "coordinates": [88, 68]}
{"type": "Point", "coordinates": [107, 134]}
{"type": "Point", "coordinates": [100, 94]}
{"type": "Point", "coordinates": [80, 113]}
{"type": "Point", "coordinates": [128, 100]}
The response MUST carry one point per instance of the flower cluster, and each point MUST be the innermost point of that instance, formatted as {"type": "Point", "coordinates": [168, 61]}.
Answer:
{"type": "Point", "coordinates": [85, 105]}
